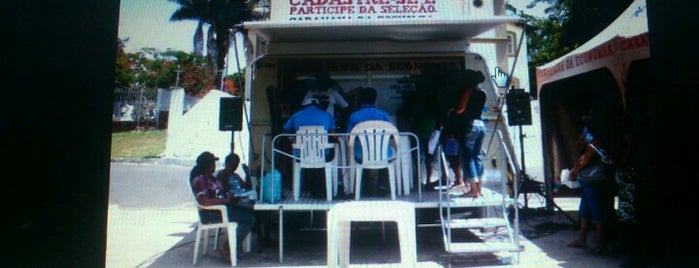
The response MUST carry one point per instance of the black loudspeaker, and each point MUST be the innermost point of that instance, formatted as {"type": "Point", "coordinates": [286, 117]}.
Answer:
{"type": "Point", "coordinates": [519, 111]}
{"type": "Point", "coordinates": [230, 114]}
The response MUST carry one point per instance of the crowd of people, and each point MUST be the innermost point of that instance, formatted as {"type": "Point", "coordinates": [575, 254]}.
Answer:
{"type": "Point", "coordinates": [463, 128]}
{"type": "Point", "coordinates": [462, 132]}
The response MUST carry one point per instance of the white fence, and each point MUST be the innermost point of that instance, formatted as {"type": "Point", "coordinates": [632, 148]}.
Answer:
{"type": "Point", "coordinates": [143, 107]}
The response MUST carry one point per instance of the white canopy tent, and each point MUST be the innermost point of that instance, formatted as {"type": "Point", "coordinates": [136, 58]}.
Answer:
{"type": "Point", "coordinates": [592, 80]}
{"type": "Point", "coordinates": [624, 41]}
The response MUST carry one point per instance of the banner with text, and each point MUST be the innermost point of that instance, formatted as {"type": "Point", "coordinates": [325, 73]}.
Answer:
{"type": "Point", "coordinates": [357, 10]}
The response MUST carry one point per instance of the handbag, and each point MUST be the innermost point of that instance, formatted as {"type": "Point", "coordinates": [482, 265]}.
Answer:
{"type": "Point", "coordinates": [592, 173]}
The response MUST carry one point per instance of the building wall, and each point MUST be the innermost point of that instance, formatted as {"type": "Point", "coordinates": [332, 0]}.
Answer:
{"type": "Point", "coordinates": [196, 131]}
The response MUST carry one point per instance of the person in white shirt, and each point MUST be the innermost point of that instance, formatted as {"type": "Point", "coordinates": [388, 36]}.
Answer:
{"type": "Point", "coordinates": [326, 91]}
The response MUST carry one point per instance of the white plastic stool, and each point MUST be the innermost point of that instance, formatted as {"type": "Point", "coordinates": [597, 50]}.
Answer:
{"type": "Point", "coordinates": [342, 215]}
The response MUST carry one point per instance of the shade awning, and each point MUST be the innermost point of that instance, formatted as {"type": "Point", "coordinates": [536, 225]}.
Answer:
{"type": "Point", "coordinates": [624, 40]}
{"type": "Point", "coordinates": [391, 30]}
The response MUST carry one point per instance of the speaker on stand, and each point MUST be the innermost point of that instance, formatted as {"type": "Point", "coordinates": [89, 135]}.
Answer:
{"type": "Point", "coordinates": [518, 114]}
{"type": "Point", "coordinates": [230, 116]}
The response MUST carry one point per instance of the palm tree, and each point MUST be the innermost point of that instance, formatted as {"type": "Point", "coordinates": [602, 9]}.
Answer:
{"type": "Point", "coordinates": [222, 16]}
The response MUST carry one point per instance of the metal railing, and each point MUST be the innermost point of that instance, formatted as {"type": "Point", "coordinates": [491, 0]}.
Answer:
{"type": "Point", "coordinates": [342, 138]}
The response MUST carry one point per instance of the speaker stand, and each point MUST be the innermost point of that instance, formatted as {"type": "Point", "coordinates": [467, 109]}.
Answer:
{"type": "Point", "coordinates": [527, 185]}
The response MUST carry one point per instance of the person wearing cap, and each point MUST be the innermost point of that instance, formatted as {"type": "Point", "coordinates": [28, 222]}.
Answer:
{"type": "Point", "coordinates": [209, 191]}
{"type": "Point", "coordinates": [327, 94]}
{"type": "Point", "coordinates": [310, 115]}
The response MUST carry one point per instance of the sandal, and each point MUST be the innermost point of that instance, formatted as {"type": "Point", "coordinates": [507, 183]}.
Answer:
{"type": "Point", "coordinates": [470, 194]}
{"type": "Point", "coordinates": [457, 186]}
{"type": "Point", "coordinates": [577, 244]}
{"type": "Point", "coordinates": [457, 189]}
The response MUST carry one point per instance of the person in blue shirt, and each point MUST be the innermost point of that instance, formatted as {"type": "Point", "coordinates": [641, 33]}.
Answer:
{"type": "Point", "coordinates": [367, 111]}
{"type": "Point", "coordinates": [310, 115]}
{"type": "Point", "coordinates": [234, 185]}
{"type": "Point", "coordinates": [597, 200]}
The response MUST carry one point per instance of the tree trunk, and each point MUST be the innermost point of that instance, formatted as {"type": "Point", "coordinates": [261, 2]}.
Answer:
{"type": "Point", "coordinates": [222, 43]}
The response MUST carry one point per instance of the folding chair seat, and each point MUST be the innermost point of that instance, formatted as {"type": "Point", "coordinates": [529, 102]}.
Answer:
{"type": "Point", "coordinates": [203, 231]}
{"type": "Point", "coordinates": [311, 142]}
{"type": "Point", "coordinates": [343, 214]}
{"type": "Point", "coordinates": [375, 138]}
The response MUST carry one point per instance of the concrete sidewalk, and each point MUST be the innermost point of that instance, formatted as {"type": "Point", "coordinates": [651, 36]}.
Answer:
{"type": "Point", "coordinates": [164, 238]}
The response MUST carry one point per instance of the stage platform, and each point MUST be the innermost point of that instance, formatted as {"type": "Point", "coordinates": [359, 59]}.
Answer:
{"type": "Point", "coordinates": [421, 200]}
{"type": "Point", "coordinates": [426, 199]}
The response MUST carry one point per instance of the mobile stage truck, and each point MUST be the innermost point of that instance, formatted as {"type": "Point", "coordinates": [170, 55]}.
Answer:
{"type": "Point", "coordinates": [409, 51]}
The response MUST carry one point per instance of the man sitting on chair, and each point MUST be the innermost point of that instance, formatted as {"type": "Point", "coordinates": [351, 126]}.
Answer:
{"type": "Point", "coordinates": [367, 111]}
{"type": "Point", "coordinates": [311, 115]}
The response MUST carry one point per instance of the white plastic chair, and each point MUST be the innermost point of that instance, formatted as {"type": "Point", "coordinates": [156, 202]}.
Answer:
{"type": "Point", "coordinates": [312, 143]}
{"type": "Point", "coordinates": [203, 229]}
{"type": "Point", "coordinates": [341, 216]}
{"type": "Point", "coordinates": [375, 138]}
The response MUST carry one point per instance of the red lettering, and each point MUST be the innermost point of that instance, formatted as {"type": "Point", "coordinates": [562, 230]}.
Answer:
{"type": "Point", "coordinates": [569, 63]}
{"type": "Point", "coordinates": [373, 2]}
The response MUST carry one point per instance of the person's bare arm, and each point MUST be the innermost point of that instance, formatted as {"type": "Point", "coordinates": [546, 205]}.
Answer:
{"type": "Point", "coordinates": [463, 101]}
{"type": "Point", "coordinates": [248, 182]}
{"type": "Point", "coordinates": [583, 160]}
{"type": "Point", "coordinates": [205, 201]}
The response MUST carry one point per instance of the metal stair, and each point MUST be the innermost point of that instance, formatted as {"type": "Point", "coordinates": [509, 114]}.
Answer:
{"type": "Point", "coordinates": [492, 222]}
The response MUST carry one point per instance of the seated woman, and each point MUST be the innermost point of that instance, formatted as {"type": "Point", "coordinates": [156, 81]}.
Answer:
{"type": "Point", "coordinates": [209, 191]}
{"type": "Point", "coordinates": [234, 185]}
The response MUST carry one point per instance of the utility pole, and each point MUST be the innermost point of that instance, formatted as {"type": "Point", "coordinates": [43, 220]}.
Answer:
{"type": "Point", "coordinates": [177, 80]}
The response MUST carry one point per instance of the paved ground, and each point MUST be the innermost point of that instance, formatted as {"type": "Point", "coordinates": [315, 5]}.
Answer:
{"type": "Point", "coordinates": [157, 230]}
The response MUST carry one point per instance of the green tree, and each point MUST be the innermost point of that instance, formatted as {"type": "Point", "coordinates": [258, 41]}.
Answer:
{"type": "Point", "coordinates": [222, 16]}
{"type": "Point", "coordinates": [567, 25]}
{"type": "Point", "coordinates": [124, 74]}
{"type": "Point", "coordinates": [154, 69]}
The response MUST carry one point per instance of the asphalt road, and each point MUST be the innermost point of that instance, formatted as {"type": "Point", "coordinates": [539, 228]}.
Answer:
{"type": "Point", "coordinates": [148, 185]}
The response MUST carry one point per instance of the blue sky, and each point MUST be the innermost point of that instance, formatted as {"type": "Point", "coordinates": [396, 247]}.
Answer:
{"type": "Point", "coordinates": [147, 24]}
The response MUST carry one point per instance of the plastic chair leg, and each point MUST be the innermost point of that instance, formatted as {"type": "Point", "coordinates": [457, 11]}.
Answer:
{"type": "Point", "coordinates": [206, 241]}
{"type": "Point", "coordinates": [332, 246]}
{"type": "Point", "coordinates": [408, 247]}
{"type": "Point", "coordinates": [297, 182]}
{"type": "Point", "coordinates": [392, 181]}
{"type": "Point", "coordinates": [343, 241]}
{"type": "Point", "coordinates": [216, 236]}
{"type": "Point", "coordinates": [358, 183]}
{"type": "Point", "coordinates": [197, 236]}
{"type": "Point", "coordinates": [232, 242]}
{"type": "Point", "coordinates": [329, 183]}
